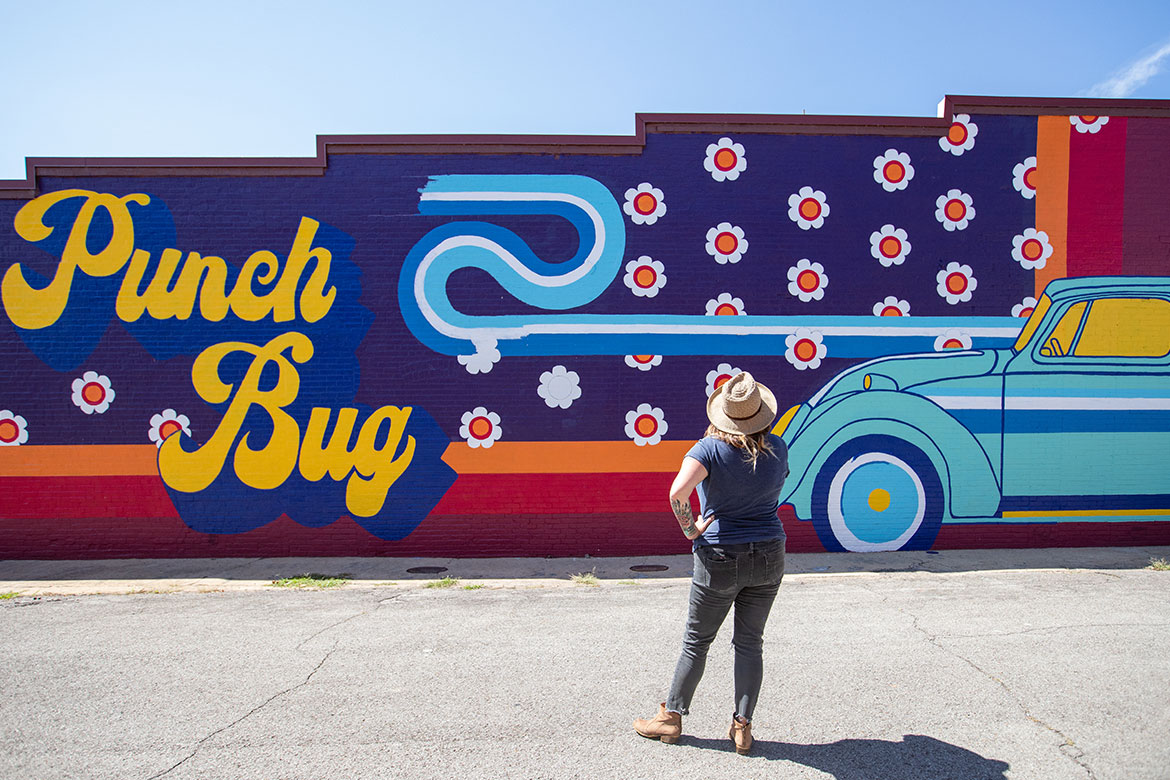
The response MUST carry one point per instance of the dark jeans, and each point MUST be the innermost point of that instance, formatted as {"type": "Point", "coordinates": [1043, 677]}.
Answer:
{"type": "Point", "coordinates": [748, 576]}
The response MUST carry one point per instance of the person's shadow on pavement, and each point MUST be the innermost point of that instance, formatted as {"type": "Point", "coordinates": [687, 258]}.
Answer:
{"type": "Point", "coordinates": [916, 757]}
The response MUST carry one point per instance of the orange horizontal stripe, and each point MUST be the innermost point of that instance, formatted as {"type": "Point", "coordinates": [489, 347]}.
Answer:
{"type": "Point", "coordinates": [568, 457]}
{"type": "Point", "coordinates": [79, 460]}
{"type": "Point", "coordinates": [574, 457]}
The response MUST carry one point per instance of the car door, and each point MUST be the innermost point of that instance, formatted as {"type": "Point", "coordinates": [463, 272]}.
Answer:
{"type": "Point", "coordinates": [1086, 411]}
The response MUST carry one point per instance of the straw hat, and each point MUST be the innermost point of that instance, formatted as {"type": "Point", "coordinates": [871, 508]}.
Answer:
{"type": "Point", "coordinates": [741, 405]}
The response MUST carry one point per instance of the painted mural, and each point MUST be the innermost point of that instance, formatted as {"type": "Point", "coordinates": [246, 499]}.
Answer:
{"type": "Point", "coordinates": [504, 346]}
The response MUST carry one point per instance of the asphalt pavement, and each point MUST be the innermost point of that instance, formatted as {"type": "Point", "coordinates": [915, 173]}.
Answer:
{"type": "Point", "coordinates": [974, 665]}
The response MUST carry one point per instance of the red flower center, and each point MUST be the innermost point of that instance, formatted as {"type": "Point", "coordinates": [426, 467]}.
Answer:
{"type": "Point", "coordinates": [645, 276]}
{"type": "Point", "coordinates": [726, 243]}
{"type": "Point", "coordinates": [480, 428]}
{"type": "Point", "coordinates": [890, 246]}
{"type": "Point", "coordinates": [955, 210]}
{"type": "Point", "coordinates": [810, 209]}
{"type": "Point", "coordinates": [725, 159]}
{"type": "Point", "coordinates": [93, 393]}
{"type": "Point", "coordinates": [645, 425]}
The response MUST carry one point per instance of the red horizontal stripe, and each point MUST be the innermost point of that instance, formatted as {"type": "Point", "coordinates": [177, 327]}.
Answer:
{"type": "Point", "coordinates": [526, 494]}
{"type": "Point", "coordinates": [35, 498]}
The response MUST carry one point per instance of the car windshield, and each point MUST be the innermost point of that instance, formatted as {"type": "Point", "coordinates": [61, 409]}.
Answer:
{"type": "Point", "coordinates": [1032, 324]}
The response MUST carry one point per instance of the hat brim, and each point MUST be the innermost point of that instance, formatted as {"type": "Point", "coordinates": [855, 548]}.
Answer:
{"type": "Point", "coordinates": [754, 424]}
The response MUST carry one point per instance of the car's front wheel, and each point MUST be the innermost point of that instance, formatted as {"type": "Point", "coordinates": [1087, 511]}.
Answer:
{"type": "Point", "coordinates": [877, 493]}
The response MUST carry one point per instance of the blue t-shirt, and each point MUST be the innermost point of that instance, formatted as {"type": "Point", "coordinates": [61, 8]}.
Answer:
{"type": "Point", "coordinates": [743, 501]}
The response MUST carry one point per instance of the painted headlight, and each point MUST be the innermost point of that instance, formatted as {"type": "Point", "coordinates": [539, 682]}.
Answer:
{"type": "Point", "coordinates": [878, 382]}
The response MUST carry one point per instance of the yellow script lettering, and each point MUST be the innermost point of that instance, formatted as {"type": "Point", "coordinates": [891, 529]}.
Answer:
{"type": "Point", "coordinates": [267, 467]}
{"type": "Point", "coordinates": [32, 308]}
{"type": "Point", "coordinates": [178, 280]}
{"type": "Point", "coordinates": [371, 469]}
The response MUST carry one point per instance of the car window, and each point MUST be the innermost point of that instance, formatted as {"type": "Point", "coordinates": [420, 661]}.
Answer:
{"type": "Point", "coordinates": [1126, 327]}
{"type": "Point", "coordinates": [1033, 322]}
{"type": "Point", "coordinates": [1059, 341]}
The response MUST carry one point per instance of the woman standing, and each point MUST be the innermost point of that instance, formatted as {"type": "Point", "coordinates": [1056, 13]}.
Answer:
{"type": "Point", "coordinates": [739, 470]}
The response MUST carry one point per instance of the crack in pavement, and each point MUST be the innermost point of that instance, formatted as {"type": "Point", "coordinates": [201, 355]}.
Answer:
{"type": "Point", "coordinates": [1042, 629]}
{"type": "Point", "coordinates": [249, 714]}
{"type": "Point", "coordinates": [1068, 747]}
{"type": "Point", "coordinates": [290, 689]}
{"type": "Point", "coordinates": [381, 603]}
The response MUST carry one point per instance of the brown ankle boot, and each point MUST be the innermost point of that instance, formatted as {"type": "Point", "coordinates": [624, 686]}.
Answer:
{"type": "Point", "coordinates": [666, 726]}
{"type": "Point", "coordinates": [741, 735]}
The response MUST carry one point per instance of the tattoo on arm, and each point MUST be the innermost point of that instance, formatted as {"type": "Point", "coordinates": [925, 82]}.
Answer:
{"type": "Point", "coordinates": [685, 517]}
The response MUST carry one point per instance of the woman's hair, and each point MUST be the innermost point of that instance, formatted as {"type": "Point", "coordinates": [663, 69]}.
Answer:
{"type": "Point", "coordinates": [753, 444]}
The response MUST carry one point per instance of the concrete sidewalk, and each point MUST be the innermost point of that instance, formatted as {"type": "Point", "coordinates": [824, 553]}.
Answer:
{"type": "Point", "coordinates": [1038, 665]}
{"type": "Point", "coordinates": [36, 578]}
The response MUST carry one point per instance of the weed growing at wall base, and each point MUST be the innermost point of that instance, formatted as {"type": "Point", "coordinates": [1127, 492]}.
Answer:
{"type": "Point", "coordinates": [446, 582]}
{"type": "Point", "coordinates": [1159, 564]}
{"type": "Point", "coordinates": [9, 595]}
{"type": "Point", "coordinates": [312, 581]}
{"type": "Point", "coordinates": [586, 578]}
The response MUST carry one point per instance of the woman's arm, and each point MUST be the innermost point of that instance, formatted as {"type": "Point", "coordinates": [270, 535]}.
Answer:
{"type": "Point", "coordinates": [689, 477]}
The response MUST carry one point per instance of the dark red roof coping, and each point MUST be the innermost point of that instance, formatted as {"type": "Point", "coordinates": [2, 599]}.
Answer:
{"type": "Point", "coordinates": [797, 124]}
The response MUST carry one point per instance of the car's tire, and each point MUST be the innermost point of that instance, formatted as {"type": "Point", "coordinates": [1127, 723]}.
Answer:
{"type": "Point", "coordinates": [877, 493]}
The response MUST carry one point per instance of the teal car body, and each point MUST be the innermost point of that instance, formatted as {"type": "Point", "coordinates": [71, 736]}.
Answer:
{"type": "Point", "coordinates": [1071, 422]}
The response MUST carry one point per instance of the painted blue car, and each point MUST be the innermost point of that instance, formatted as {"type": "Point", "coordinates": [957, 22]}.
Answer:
{"type": "Point", "coordinates": [1072, 422]}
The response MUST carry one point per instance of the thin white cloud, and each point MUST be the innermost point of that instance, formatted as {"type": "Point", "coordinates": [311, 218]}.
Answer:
{"type": "Point", "coordinates": [1131, 78]}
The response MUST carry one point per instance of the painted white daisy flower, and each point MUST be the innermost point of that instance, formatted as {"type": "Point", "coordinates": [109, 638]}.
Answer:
{"type": "Point", "coordinates": [955, 210]}
{"type": "Point", "coordinates": [1024, 177]}
{"type": "Point", "coordinates": [719, 375]}
{"type": "Point", "coordinates": [1031, 248]}
{"type": "Point", "coordinates": [892, 170]}
{"type": "Point", "coordinates": [725, 242]}
{"type": "Point", "coordinates": [644, 204]}
{"type": "Point", "coordinates": [725, 305]}
{"type": "Point", "coordinates": [891, 306]}
{"type": "Point", "coordinates": [166, 423]}
{"type": "Point", "coordinates": [482, 360]}
{"type": "Point", "coordinates": [725, 160]}
{"type": "Point", "coordinates": [889, 245]}
{"type": "Point", "coordinates": [956, 283]}
{"type": "Point", "coordinates": [808, 208]}
{"type": "Point", "coordinates": [952, 339]}
{"type": "Point", "coordinates": [960, 136]}
{"type": "Point", "coordinates": [559, 387]}
{"type": "Point", "coordinates": [13, 429]}
{"type": "Point", "coordinates": [804, 349]}
{"type": "Point", "coordinates": [643, 362]}
{"type": "Point", "coordinates": [480, 427]}
{"type": "Point", "coordinates": [807, 280]}
{"type": "Point", "coordinates": [1088, 124]}
{"type": "Point", "coordinates": [1024, 308]}
{"type": "Point", "coordinates": [92, 393]}
{"type": "Point", "coordinates": [644, 277]}
{"type": "Point", "coordinates": [646, 425]}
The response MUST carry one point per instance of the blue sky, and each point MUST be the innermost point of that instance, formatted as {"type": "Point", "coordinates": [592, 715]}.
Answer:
{"type": "Point", "coordinates": [151, 79]}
